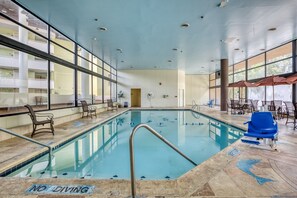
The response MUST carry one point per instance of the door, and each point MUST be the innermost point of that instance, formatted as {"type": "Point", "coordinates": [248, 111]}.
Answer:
{"type": "Point", "coordinates": [135, 97]}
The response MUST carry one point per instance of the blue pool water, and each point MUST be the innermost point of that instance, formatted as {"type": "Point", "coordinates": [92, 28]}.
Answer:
{"type": "Point", "coordinates": [103, 152]}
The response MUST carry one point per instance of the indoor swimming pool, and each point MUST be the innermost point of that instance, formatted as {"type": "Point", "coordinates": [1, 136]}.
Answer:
{"type": "Point", "coordinates": [103, 152]}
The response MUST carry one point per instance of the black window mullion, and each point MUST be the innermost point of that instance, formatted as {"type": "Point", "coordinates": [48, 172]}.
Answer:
{"type": "Point", "coordinates": [103, 81]}
{"type": "Point", "coordinates": [75, 78]}
{"type": "Point", "coordinates": [49, 74]}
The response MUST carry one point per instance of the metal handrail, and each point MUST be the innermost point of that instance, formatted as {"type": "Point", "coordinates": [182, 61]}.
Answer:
{"type": "Point", "coordinates": [131, 149]}
{"type": "Point", "coordinates": [30, 140]}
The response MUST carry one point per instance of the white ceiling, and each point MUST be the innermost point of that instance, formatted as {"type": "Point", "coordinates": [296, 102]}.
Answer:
{"type": "Point", "coordinates": [148, 30]}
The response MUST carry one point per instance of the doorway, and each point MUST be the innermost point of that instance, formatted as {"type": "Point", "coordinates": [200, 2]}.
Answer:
{"type": "Point", "coordinates": [135, 97]}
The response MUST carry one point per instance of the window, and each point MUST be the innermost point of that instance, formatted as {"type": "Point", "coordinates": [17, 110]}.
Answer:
{"type": "Point", "coordinates": [279, 60]}
{"type": "Point", "coordinates": [97, 65]}
{"type": "Point", "coordinates": [230, 79]}
{"type": "Point", "coordinates": [212, 94]}
{"type": "Point", "coordinates": [113, 91]}
{"type": "Point", "coordinates": [107, 93]}
{"type": "Point", "coordinates": [61, 46]}
{"type": "Point", "coordinates": [97, 90]}
{"type": "Point", "coordinates": [62, 88]}
{"type": "Point", "coordinates": [27, 83]}
{"type": "Point", "coordinates": [84, 87]}
{"type": "Point", "coordinates": [256, 93]}
{"type": "Point", "coordinates": [23, 35]}
{"type": "Point", "coordinates": [24, 83]}
{"type": "Point", "coordinates": [239, 71]}
{"type": "Point", "coordinates": [218, 96]}
{"type": "Point", "coordinates": [230, 93]}
{"type": "Point", "coordinates": [107, 70]}
{"type": "Point", "coordinates": [256, 67]}
{"type": "Point", "coordinates": [256, 61]}
{"type": "Point", "coordinates": [239, 67]}
{"type": "Point", "coordinates": [281, 92]}
{"type": "Point", "coordinates": [230, 69]}
{"type": "Point", "coordinates": [258, 72]}
{"type": "Point", "coordinates": [239, 76]}
{"type": "Point", "coordinates": [84, 58]}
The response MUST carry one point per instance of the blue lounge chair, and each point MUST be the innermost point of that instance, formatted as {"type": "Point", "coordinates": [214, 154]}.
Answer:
{"type": "Point", "coordinates": [262, 127]}
{"type": "Point", "coordinates": [210, 103]}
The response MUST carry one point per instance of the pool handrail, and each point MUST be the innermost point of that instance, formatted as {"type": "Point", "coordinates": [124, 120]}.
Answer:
{"type": "Point", "coordinates": [131, 149]}
{"type": "Point", "coordinates": [30, 140]}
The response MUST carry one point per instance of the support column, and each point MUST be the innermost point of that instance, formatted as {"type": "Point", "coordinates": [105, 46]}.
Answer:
{"type": "Point", "coordinates": [23, 57]}
{"type": "Point", "coordinates": [224, 84]}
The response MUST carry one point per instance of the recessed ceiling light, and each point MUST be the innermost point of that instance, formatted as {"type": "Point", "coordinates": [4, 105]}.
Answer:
{"type": "Point", "coordinates": [94, 38]}
{"type": "Point", "coordinates": [155, 67]}
{"type": "Point", "coordinates": [174, 49]}
{"type": "Point", "coordinates": [102, 28]}
{"type": "Point", "coordinates": [212, 61]}
{"type": "Point", "coordinates": [122, 61]}
{"type": "Point", "coordinates": [236, 49]}
{"type": "Point", "coordinates": [169, 61]}
{"type": "Point", "coordinates": [202, 17]}
{"type": "Point", "coordinates": [185, 25]}
{"type": "Point", "coordinates": [271, 29]}
{"type": "Point", "coordinates": [95, 19]}
{"type": "Point", "coordinates": [131, 66]}
{"type": "Point", "coordinates": [202, 67]}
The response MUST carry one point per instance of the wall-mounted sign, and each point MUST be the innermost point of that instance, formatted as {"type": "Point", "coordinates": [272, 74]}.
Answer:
{"type": "Point", "coordinates": [60, 189]}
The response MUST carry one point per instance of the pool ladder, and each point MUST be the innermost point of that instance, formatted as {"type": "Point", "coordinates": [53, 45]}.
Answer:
{"type": "Point", "coordinates": [131, 149]}
{"type": "Point", "coordinates": [31, 140]}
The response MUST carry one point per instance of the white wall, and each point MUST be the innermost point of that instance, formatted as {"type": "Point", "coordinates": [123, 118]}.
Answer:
{"type": "Point", "coordinates": [148, 81]}
{"type": "Point", "coordinates": [181, 88]}
{"type": "Point", "coordinates": [197, 88]}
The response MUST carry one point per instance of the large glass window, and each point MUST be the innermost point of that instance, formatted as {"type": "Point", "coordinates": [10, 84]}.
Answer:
{"type": "Point", "coordinates": [212, 94]}
{"type": "Point", "coordinates": [239, 71]}
{"type": "Point", "coordinates": [239, 92]}
{"type": "Point", "coordinates": [218, 96]}
{"type": "Point", "coordinates": [256, 93]}
{"type": "Point", "coordinates": [113, 91]}
{"type": "Point", "coordinates": [62, 88]}
{"type": "Point", "coordinates": [107, 89]}
{"type": "Point", "coordinates": [258, 72]}
{"type": "Point", "coordinates": [84, 87]}
{"type": "Point", "coordinates": [256, 67]}
{"type": "Point", "coordinates": [279, 60]}
{"type": "Point", "coordinates": [281, 92]}
{"type": "Point", "coordinates": [23, 80]}
{"type": "Point", "coordinates": [97, 90]}
{"type": "Point", "coordinates": [256, 61]}
{"type": "Point", "coordinates": [97, 65]}
{"type": "Point", "coordinates": [23, 35]}
{"type": "Point", "coordinates": [62, 47]}
{"type": "Point", "coordinates": [84, 58]}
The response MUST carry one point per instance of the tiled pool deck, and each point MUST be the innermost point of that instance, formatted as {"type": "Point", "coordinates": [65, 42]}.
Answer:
{"type": "Point", "coordinates": [230, 173]}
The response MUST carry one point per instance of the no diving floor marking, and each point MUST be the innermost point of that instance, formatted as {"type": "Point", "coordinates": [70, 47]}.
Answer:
{"type": "Point", "coordinates": [60, 189]}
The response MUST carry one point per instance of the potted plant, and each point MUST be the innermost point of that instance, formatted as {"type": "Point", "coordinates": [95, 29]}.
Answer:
{"type": "Point", "coordinates": [120, 96]}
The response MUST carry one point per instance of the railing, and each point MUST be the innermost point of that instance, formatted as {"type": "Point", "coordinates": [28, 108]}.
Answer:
{"type": "Point", "coordinates": [31, 140]}
{"type": "Point", "coordinates": [131, 149]}
{"type": "Point", "coordinates": [195, 106]}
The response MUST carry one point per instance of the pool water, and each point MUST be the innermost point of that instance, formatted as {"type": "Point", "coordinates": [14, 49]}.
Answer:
{"type": "Point", "coordinates": [103, 152]}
